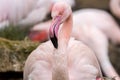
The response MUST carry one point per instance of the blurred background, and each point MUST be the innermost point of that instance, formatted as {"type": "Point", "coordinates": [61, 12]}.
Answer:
{"type": "Point", "coordinates": [15, 45]}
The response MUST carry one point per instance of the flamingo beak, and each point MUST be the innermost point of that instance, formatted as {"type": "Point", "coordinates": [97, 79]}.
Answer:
{"type": "Point", "coordinates": [53, 31]}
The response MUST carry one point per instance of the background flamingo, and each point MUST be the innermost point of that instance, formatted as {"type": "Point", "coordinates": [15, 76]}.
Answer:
{"type": "Point", "coordinates": [69, 60]}
{"type": "Point", "coordinates": [104, 22]}
{"type": "Point", "coordinates": [18, 12]}
{"type": "Point", "coordinates": [25, 12]}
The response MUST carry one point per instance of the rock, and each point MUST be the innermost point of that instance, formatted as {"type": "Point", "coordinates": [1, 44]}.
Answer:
{"type": "Point", "coordinates": [14, 53]}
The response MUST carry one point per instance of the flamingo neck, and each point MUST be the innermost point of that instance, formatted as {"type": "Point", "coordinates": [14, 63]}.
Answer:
{"type": "Point", "coordinates": [115, 8]}
{"type": "Point", "coordinates": [65, 33]}
{"type": "Point", "coordinates": [60, 64]}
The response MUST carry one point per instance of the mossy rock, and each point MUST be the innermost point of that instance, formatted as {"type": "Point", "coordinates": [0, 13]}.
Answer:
{"type": "Point", "coordinates": [14, 53]}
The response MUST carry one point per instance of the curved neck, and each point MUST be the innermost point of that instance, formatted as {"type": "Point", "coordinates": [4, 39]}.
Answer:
{"type": "Point", "coordinates": [115, 7]}
{"type": "Point", "coordinates": [60, 64]}
{"type": "Point", "coordinates": [65, 33]}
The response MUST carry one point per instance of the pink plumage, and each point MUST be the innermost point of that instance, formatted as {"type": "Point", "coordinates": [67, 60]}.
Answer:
{"type": "Point", "coordinates": [71, 60]}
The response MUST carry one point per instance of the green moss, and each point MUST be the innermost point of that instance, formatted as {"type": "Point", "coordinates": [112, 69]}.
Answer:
{"type": "Point", "coordinates": [15, 53]}
{"type": "Point", "coordinates": [14, 48]}
{"type": "Point", "coordinates": [14, 33]}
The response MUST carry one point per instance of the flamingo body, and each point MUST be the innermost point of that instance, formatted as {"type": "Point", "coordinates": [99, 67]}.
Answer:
{"type": "Point", "coordinates": [104, 23]}
{"type": "Point", "coordinates": [63, 58]}
{"type": "Point", "coordinates": [15, 11]}
{"type": "Point", "coordinates": [100, 19]}
{"type": "Point", "coordinates": [81, 62]}
{"type": "Point", "coordinates": [94, 33]}
{"type": "Point", "coordinates": [25, 12]}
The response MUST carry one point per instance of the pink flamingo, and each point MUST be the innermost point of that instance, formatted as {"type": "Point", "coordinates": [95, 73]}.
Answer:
{"type": "Point", "coordinates": [90, 34]}
{"type": "Point", "coordinates": [115, 7]}
{"type": "Point", "coordinates": [25, 12]}
{"type": "Point", "coordinates": [104, 22]}
{"type": "Point", "coordinates": [95, 39]}
{"type": "Point", "coordinates": [22, 12]}
{"type": "Point", "coordinates": [66, 59]}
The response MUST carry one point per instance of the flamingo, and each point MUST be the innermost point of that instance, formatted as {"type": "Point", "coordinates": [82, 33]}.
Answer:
{"type": "Point", "coordinates": [104, 22]}
{"type": "Point", "coordinates": [94, 33]}
{"type": "Point", "coordinates": [95, 39]}
{"type": "Point", "coordinates": [115, 7]}
{"type": "Point", "coordinates": [25, 12]}
{"type": "Point", "coordinates": [22, 12]}
{"type": "Point", "coordinates": [40, 12]}
{"type": "Point", "coordinates": [62, 58]}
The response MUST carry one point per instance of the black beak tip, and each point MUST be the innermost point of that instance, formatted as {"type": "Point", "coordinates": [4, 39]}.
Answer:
{"type": "Point", "coordinates": [54, 41]}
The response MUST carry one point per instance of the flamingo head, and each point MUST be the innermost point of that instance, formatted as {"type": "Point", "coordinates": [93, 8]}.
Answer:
{"type": "Point", "coordinates": [60, 12]}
